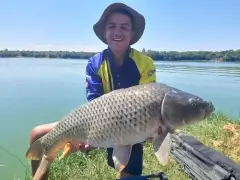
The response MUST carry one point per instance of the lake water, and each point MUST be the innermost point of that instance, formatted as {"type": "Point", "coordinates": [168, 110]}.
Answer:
{"type": "Point", "coordinates": [37, 91]}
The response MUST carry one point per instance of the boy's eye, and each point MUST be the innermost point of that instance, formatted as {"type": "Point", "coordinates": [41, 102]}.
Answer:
{"type": "Point", "coordinates": [111, 26]}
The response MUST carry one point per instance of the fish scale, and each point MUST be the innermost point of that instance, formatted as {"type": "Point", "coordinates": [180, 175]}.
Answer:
{"type": "Point", "coordinates": [108, 117]}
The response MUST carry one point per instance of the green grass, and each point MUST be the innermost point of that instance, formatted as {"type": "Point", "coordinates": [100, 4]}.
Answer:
{"type": "Point", "coordinates": [94, 166]}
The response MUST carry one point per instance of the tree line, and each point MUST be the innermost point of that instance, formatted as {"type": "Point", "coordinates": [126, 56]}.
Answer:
{"type": "Point", "coordinates": [227, 56]}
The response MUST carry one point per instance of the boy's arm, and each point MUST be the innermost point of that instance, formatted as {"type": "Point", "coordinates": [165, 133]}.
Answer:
{"type": "Point", "coordinates": [149, 73]}
{"type": "Point", "coordinates": [94, 87]}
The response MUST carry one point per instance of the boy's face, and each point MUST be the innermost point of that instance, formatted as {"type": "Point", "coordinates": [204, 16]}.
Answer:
{"type": "Point", "coordinates": [118, 32]}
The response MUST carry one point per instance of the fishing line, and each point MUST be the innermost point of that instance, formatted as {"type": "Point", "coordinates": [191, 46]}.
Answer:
{"type": "Point", "coordinates": [17, 158]}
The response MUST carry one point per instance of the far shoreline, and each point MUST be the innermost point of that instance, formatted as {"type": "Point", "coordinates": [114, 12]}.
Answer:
{"type": "Point", "coordinates": [173, 56]}
{"type": "Point", "coordinates": [155, 60]}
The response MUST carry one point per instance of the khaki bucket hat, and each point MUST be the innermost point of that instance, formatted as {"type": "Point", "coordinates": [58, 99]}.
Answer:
{"type": "Point", "coordinates": [138, 19]}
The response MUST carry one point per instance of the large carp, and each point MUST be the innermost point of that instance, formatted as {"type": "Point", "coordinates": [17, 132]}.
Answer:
{"type": "Point", "coordinates": [120, 119]}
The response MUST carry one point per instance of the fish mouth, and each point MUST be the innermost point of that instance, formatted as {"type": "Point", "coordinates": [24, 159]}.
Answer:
{"type": "Point", "coordinates": [209, 110]}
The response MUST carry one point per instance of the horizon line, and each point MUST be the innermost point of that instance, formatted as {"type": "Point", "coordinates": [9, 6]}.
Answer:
{"type": "Point", "coordinates": [233, 49]}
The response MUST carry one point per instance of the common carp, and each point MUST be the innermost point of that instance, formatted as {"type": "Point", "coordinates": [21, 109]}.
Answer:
{"type": "Point", "coordinates": [120, 119]}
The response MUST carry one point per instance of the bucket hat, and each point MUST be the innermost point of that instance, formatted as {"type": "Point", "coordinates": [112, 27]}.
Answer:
{"type": "Point", "coordinates": [138, 19]}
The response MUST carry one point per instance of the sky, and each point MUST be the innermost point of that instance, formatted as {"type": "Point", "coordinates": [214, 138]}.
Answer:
{"type": "Point", "coordinates": [171, 25]}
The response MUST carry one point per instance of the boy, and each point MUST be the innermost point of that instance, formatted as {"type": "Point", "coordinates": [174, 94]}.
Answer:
{"type": "Point", "coordinates": [118, 66]}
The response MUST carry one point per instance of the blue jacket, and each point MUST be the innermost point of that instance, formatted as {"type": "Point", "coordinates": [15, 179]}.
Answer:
{"type": "Point", "coordinates": [102, 76]}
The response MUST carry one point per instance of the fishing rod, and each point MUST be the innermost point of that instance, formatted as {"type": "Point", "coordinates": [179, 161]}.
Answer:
{"type": "Point", "coordinates": [160, 176]}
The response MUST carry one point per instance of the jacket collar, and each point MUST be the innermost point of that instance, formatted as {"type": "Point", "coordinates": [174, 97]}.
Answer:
{"type": "Point", "coordinates": [111, 57]}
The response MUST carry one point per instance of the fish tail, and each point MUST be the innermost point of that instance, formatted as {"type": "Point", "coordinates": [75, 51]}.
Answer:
{"type": "Point", "coordinates": [43, 167]}
{"type": "Point", "coordinates": [35, 151]}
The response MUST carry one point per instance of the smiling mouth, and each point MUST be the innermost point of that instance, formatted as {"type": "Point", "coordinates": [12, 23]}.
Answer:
{"type": "Point", "coordinates": [117, 39]}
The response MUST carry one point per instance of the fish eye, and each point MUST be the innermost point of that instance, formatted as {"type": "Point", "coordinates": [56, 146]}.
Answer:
{"type": "Point", "coordinates": [194, 104]}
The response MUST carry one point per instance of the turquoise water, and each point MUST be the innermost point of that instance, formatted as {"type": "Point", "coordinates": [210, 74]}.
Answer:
{"type": "Point", "coordinates": [37, 91]}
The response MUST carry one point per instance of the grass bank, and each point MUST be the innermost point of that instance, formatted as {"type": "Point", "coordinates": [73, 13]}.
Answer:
{"type": "Point", "coordinates": [93, 166]}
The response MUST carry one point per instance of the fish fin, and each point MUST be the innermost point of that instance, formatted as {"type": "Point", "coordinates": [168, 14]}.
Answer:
{"type": "Point", "coordinates": [67, 150]}
{"type": "Point", "coordinates": [43, 167]}
{"type": "Point", "coordinates": [35, 151]}
{"type": "Point", "coordinates": [121, 155]}
{"type": "Point", "coordinates": [162, 147]}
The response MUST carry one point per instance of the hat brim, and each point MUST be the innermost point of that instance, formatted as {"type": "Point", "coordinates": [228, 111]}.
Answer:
{"type": "Point", "coordinates": [139, 22]}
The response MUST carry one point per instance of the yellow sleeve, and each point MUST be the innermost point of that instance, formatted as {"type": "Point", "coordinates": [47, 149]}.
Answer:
{"type": "Point", "coordinates": [148, 74]}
